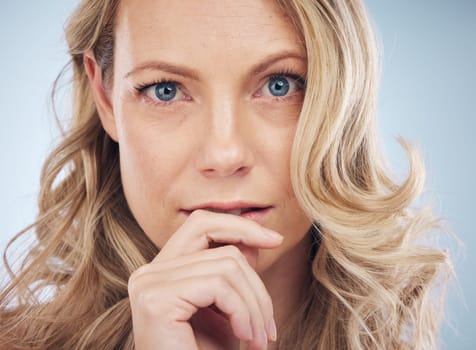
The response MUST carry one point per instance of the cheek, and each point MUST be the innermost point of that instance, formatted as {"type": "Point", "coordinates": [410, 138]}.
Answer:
{"type": "Point", "coordinates": [151, 161]}
{"type": "Point", "coordinates": [143, 177]}
{"type": "Point", "coordinates": [294, 222]}
{"type": "Point", "coordinates": [278, 155]}
{"type": "Point", "coordinates": [152, 151]}
{"type": "Point", "coordinates": [278, 128]}
{"type": "Point", "coordinates": [141, 153]}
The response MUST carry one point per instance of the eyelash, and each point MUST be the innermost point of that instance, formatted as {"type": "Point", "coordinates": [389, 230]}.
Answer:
{"type": "Point", "coordinates": [291, 75]}
{"type": "Point", "coordinates": [141, 88]}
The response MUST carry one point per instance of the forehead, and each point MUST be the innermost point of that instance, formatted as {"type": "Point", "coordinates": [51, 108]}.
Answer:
{"type": "Point", "coordinates": [212, 29]}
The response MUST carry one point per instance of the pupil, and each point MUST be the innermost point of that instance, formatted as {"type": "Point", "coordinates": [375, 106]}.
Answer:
{"type": "Point", "coordinates": [165, 91]}
{"type": "Point", "coordinates": [278, 86]}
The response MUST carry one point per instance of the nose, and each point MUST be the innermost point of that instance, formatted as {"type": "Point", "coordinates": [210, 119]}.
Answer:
{"type": "Point", "coordinates": [226, 149]}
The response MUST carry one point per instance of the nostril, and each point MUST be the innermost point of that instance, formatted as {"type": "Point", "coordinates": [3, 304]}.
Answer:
{"type": "Point", "coordinates": [223, 171]}
{"type": "Point", "coordinates": [242, 170]}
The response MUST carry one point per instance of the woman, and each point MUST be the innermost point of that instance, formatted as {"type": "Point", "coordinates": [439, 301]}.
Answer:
{"type": "Point", "coordinates": [221, 187]}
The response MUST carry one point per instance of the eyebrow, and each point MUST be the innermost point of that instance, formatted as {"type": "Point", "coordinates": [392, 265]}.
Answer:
{"type": "Point", "coordinates": [273, 58]}
{"type": "Point", "coordinates": [192, 74]}
{"type": "Point", "coordinates": [165, 67]}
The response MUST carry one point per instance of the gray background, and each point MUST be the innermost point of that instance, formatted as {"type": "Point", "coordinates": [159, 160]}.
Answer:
{"type": "Point", "coordinates": [428, 96]}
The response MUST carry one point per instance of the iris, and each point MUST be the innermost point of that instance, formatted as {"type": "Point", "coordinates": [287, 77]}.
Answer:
{"type": "Point", "coordinates": [166, 91]}
{"type": "Point", "coordinates": [278, 86]}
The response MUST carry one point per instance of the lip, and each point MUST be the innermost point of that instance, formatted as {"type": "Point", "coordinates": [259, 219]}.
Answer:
{"type": "Point", "coordinates": [258, 216]}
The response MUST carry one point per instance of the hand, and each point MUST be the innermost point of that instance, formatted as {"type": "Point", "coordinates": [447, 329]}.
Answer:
{"type": "Point", "coordinates": [192, 295]}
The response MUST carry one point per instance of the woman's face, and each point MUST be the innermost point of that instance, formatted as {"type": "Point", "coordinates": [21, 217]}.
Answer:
{"type": "Point", "coordinates": [205, 99]}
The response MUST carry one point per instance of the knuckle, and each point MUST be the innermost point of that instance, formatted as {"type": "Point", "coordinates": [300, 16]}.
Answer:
{"type": "Point", "coordinates": [149, 302]}
{"type": "Point", "coordinates": [217, 283]}
{"type": "Point", "coordinates": [233, 252]}
{"type": "Point", "coordinates": [135, 275]}
{"type": "Point", "coordinates": [132, 285]}
{"type": "Point", "coordinates": [231, 265]}
{"type": "Point", "coordinates": [133, 282]}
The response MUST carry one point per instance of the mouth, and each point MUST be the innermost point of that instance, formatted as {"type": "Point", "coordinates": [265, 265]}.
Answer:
{"type": "Point", "coordinates": [238, 211]}
{"type": "Point", "coordinates": [253, 212]}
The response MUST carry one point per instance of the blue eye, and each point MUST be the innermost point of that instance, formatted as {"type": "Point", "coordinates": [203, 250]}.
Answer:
{"type": "Point", "coordinates": [166, 91]}
{"type": "Point", "coordinates": [279, 86]}
{"type": "Point", "coordinates": [282, 85]}
{"type": "Point", "coordinates": [162, 92]}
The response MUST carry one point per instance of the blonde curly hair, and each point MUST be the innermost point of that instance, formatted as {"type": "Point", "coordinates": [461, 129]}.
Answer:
{"type": "Point", "coordinates": [373, 283]}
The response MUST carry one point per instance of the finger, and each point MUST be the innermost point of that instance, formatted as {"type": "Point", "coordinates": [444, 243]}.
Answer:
{"type": "Point", "coordinates": [229, 263]}
{"type": "Point", "coordinates": [254, 281]}
{"type": "Point", "coordinates": [203, 227]}
{"type": "Point", "coordinates": [175, 302]}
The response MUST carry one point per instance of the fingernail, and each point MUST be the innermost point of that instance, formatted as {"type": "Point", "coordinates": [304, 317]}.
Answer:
{"type": "Point", "coordinates": [273, 234]}
{"type": "Point", "coordinates": [272, 332]}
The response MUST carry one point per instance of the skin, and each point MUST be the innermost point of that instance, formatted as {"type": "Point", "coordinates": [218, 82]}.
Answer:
{"type": "Point", "coordinates": [224, 138]}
